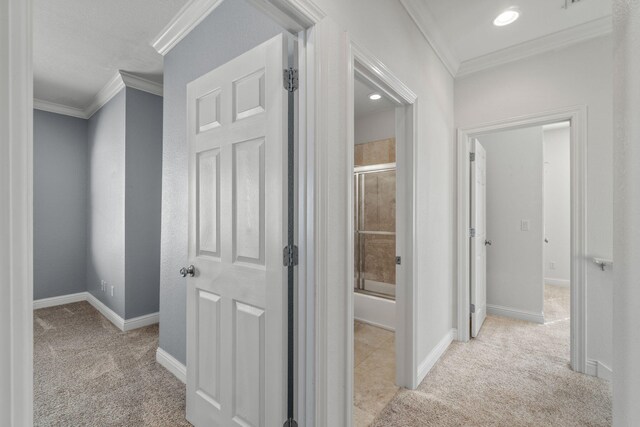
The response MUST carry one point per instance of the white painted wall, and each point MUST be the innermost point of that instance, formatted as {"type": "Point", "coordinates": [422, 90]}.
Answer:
{"type": "Point", "coordinates": [626, 196]}
{"type": "Point", "coordinates": [557, 206]}
{"type": "Point", "coordinates": [514, 194]}
{"type": "Point", "coordinates": [579, 75]}
{"type": "Point", "coordinates": [375, 126]}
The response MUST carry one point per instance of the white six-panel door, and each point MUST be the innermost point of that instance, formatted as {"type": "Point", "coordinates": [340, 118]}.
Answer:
{"type": "Point", "coordinates": [236, 311]}
{"type": "Point", "coordinates": [478, 247]}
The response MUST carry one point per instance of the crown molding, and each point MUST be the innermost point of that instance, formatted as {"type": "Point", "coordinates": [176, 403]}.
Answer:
{"type": "Point", "coordinates": [140, 83]}
{"type": "Point", "coordinates": [108, 91]}
{"type": "Point", "coordinates": [431, 31]}
{"type": "Point", "coordinates": [559, 40]}
{"type": "Point", "coordinates": [119, 81]}
{"type": "Point", "coordinates": [187, 18]}
{"type": "Point", "coordinates": [52, 107]}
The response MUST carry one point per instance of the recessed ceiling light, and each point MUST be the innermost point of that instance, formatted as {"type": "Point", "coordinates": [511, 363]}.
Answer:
{"type": "Point", "coordinates": [375, 96]}
{"type": "Point", "coordinates": [507, 17]}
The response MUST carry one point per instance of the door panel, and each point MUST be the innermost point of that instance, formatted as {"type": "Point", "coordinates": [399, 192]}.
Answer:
{"type": "Point", "coordinates": [236, 311]}
{"type": "Point", "coordinates": [478, 247]}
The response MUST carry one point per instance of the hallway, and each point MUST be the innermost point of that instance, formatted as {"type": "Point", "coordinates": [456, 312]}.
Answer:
{"type": "Point", "coordinates": [515, 373]}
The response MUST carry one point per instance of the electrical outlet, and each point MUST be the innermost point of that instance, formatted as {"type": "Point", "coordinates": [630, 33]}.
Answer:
{"type": "Point", "coordinates": [524, 225]}
{"type": "Point", "coordinates": [552, 265]}
{"type": "Point", "coordinates": [112, 289]}
{"type": "Point", "coordinates": [103, 285]}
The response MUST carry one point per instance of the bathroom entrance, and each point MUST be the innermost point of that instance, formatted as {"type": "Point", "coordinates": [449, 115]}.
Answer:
{"type": "Point", "coordinates": [374, 225]}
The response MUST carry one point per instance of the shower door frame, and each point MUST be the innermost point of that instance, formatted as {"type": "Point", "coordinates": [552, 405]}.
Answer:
{"type": "Point", "coordinates": [358, 232]}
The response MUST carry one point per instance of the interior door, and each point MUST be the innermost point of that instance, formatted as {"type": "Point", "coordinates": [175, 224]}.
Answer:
{"type": "Point", "coordinates": [236, 299]}
{"type": "Point", "coordinates": [479, 238]}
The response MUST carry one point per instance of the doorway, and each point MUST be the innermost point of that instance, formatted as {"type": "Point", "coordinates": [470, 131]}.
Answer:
{"type": "Point", "coordinates": [374, 190]}
{"type": "Point", "coordinates": [528, 227]}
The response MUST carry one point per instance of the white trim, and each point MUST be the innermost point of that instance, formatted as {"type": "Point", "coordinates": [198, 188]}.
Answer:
{"type": "Point", "coordinates": [187, 18]}
{"type": "Point", "coordinates": [513, 313]}
{"type": "Point", "coordinates": [141, 321]}
{"type": "Point", "coordinates": [432, 358]}
{"type": "Point", "coordinates": [140, 83]}
{"type": "Point", "coordinates": [294, 15]}
{"type": "Point", "coordinates": [577, 115]}
{"type": "Point", "coordinates": [559, 40]}
{"type": "Point", "coordinates": [59, 300]}
{"type": "Point", "coordinates": [16, 213]}
{"type": "Point", "coordinates": [565, 283]}
{"type": "Point", "coordinates": [428, 26]}
{"type": "Point", "coordinates": [106, 311]}
{"type": "Point", "coordinates": [108, 91]}
{"type": "Point", "coordinates": [172, 365]}
{"type": "Point", "coordinates": [599, 370]}
{"type": "Point", "coordinates": [119, 81]}
{"type": "Point", "coordinates": [52, 107]}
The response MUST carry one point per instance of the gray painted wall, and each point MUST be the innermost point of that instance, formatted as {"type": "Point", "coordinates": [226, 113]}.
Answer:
{"type": "Point", "coordinates": [232, 29]}
{"type": "Point", "coordinates": [143, 201]}
{"type": "Point", "coordinates": [59, 204]}
{"type": "Point", "coordinates": [106, 203]}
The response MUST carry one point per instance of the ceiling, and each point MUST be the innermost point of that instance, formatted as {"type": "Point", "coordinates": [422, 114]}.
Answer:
{"type": "Point", "coordinates": [467, 26]}
{"type": "Point", "coordinates": [365, 106]}
{"type": "Point", "coordinates": [78, 45]}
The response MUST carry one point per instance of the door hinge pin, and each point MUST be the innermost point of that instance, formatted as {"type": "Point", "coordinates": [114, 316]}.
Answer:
{"type": "Point", "coordinates": [290, 79]}
{"type": "Point", "coordinates": [290, 423]}
{"type": "Point", "coordinates": [472, 157]}
{"type": "Point", "coordinates": [472, 232]}
{"type": "Point", "coordinates": [473, 308]}
{"type": "Point", "coordinates": [290, 256]}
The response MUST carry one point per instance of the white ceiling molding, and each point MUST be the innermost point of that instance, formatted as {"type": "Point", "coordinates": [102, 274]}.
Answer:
{"type": "Point", "coordinates": [52, 107]}
{"type": "Point", "coordinates": [141, 83]}
{"type": "Point", "coordinates": [191, 14]}
{"type": "Point", "coordinates": [555, 126]}
{"type": "Point", "coordinates": [108, 91]}
{"type": "Point", "coordinates": [429, 28]}
{"type": "Point", "coordinates": [555, 41]}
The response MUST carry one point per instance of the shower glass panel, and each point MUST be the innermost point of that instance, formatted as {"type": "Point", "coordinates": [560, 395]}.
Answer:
{"type": "Point", "coordinates": [375, 230]}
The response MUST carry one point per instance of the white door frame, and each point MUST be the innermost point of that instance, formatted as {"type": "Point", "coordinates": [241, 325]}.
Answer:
{"type": "Point", "coordinates": [16, 214]}
{"type": "Point", "coordinates": [365, 65]}
{"type": "Point", "coordinates": [577, 116]}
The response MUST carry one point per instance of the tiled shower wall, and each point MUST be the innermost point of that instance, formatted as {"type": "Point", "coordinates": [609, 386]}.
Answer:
{"type": "Point", "coordinates": [379, 211]}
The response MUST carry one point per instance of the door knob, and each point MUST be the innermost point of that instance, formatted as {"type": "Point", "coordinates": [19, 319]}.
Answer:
{"type": "Point", "coordinates": [188, 271]}
{"type": "Point", "coordinates": [487, 242]}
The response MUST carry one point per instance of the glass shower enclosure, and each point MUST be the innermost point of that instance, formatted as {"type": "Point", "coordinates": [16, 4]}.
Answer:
{"type": "Point", "coordinates": [375, 229]}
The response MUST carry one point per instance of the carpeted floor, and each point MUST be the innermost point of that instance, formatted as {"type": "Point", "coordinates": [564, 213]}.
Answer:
{"type": "Point", "coordinates": [89, 373]}
{"type": "Point", "coordinates": [514, 374]}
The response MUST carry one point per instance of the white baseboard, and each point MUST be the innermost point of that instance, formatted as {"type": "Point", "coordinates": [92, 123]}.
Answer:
{"type": "Point", "coordinates": [141, 321]}
{"type": "Point", "coordinates": [529, 316]}
{"type": "Point", "coordinates": [119, 322]}
{"type": "Point", "coordinates": [61, 300]}
{"type": "Point", "coordinates": [428, 363]}
{"type": "Point", "coordinates": [557, 282]}
{"type": "Point", "coordinates": [597, 369]}
{"type": "Point", "coordinates": [172, 365]}
{"type": "Point", "coordinates": [106, 311]}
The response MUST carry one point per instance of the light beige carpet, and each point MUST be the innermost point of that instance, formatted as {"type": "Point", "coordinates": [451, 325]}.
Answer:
{"type": "Point", "coordinates": [514, 374]}
{"type": "Point", "coordinates": [89, 373]}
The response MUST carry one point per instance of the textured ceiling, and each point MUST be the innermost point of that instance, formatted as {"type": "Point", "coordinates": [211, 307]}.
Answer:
{"type": "Point", "coordinates": [468, 27]}
{"type": "Point", "coordinates": [363, 105]}
{"type": "Point", "coordinates": [79, 44]}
